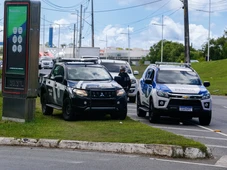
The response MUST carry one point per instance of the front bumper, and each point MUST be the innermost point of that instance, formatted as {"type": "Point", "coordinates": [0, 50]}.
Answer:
{"type": "Point", "coordinates": [175, 107]}
{"type": "Point", "coordinates": [133, 90]}
{"type": "Point", "coordinates": [85, 104]}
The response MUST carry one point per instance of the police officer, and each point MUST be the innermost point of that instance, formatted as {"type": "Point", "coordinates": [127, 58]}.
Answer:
{"type": "Point", "coordinates": [125, 79]}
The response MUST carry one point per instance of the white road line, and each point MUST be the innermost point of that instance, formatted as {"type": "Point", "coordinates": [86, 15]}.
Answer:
{"type": "Point", "coordinates": [204, 137]}
{"type": "Point", "coordinates": [225, 107]}
{"type": "Point", "coordinates": [212, 130]}
{"type": "Point", "coordinates": [164, 127]}
{"type": "Point", "coordinates": [216, 146]}
{"type": "Point", "coordinates": [189, 163]}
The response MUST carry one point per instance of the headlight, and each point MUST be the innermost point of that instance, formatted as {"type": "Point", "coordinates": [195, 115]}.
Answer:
{"type": "Point", "coordinates": [162, 93]}
{"type": "Point", "coordinates": [206, 96]}
{"type": "Point", "coordinates": [81, 93]}
{"type": "Point", "coordinates": [133, 81]}
{"type": "Point", "coordinates": [120, 92]}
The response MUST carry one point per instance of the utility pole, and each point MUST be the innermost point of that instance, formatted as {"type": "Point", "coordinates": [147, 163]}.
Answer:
{"type": "Point", "coordinates": [74, 32]}
{"type": "Point", "coordinates": [80, 36]}
{"type": "Point", "coordinates": [92, 23]}
{"type": "Point", "coordinates": [186, 32]}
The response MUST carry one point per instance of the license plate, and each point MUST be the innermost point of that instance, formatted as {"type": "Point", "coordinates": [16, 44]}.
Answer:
{"type": "Point", "coordinates": [185, 108]}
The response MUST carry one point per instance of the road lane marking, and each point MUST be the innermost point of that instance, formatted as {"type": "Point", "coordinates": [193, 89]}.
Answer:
{"type": "Point", "coordinates": [222, 161]}
{"type": "Point", "coordinates": [225, 107]}
{"type": "Point", "coordinates": [216, 146]}
{"type": "Point", "coordinates": [165, 127]}
{"type": "Point", "coordinates": [204, 137]}
{"type": "Point", "coordinates": [212, 130]}
{"type": "Point", "coordinates": [189, 163]}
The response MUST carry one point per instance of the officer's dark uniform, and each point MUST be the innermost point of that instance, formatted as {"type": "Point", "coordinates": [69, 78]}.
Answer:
{"type": "Point", "coordinates": [125, 79]}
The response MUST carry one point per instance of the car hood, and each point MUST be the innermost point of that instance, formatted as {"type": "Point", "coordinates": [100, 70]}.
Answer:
{"type": "Point", "coordinates": [181, 88]}
{"type": "Point", "coordinates": [94, 85]}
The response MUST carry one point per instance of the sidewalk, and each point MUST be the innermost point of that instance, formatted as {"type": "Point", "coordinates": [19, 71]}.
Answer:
{"type": "Point", "coordinates": [129, 148]}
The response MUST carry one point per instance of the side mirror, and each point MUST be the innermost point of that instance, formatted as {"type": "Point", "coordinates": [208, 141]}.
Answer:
{"type": "Point", "coordinates": [117, 79]}
{"type": "Point", "coordinates": [206, 83]}
{"type": "Point", "coordinates": [58, 78]}
{"type": "Point", "coordinates": [148, 81]}
{"type": "Point", "coordinates": [136, 72]}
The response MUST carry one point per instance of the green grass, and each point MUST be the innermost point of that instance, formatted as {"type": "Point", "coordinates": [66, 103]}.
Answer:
{"type": "Point", "coordinates": [99, 130]}
{"type": "Point", "coordinates": [214, 71]}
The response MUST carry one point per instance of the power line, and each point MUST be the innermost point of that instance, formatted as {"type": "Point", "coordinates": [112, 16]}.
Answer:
{"type": "Point", "coordinates": [118, 9]}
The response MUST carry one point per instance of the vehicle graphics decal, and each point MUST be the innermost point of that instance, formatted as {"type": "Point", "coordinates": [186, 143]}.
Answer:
{"type": "Point", "coordinates": [176, 88]}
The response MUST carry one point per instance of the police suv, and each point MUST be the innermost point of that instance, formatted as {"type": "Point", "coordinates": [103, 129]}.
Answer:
{"type": "Point", "coordinates": [82, 87]}
{"type": "Point", "coordinates": [174, 90]}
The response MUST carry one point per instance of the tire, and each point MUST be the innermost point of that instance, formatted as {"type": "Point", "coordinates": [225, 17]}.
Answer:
{"type": "Point", "coordinates": [153, 116]}
{"type": "Point", "coordinates": [132, 99]}
{"type": "Point", "coordinates": [123, 114]}
{"type": "Point", "coordinates": [68, 114]}
{"type": "Point", "coordinates": [140, 113]}
{"type": "Point", "coordinates": [205, 120]}
{"type": "Point", "coordinates": [46, 110]}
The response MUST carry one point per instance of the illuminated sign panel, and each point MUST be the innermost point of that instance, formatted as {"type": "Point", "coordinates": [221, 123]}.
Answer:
{"type": "Point", "coordinates": [16, 39]}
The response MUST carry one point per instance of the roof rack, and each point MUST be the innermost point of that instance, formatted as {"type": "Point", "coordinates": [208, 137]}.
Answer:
{"type": "Point", "coordinates": [173, 63]}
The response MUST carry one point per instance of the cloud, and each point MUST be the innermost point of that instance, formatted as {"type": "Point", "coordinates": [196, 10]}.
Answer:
{"type": "Point", "coordinates": [172, 31]}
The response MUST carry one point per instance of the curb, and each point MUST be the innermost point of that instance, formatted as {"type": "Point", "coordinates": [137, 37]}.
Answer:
{"type": "Point", "coordinates": [129, 148]}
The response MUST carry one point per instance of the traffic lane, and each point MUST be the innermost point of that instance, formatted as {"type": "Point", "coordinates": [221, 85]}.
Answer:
{"type": "Point", "coordinates": [216, 141]}
{"type": "Point", "coordinates": [53, 159]}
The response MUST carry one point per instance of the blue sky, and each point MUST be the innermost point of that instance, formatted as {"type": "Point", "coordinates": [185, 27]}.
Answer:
{"type": "Point", "coordinates": [143, 19]}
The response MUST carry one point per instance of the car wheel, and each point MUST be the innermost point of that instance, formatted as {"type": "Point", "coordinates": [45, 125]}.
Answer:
{"type": "Point", "coordinates": [205, 120]}
{"type": "Point", "coordinates": [67, 110]}
{"type": "Point", "coordinates": [46, 110]}
{"type": "Point", "coordinates": [140, 113]}
{"type": "Point", "coordinates": [132, 99]}
{"type": "Point", "coordinates": [121, 115]}
{"type": "Point", "coordinates": [153, 116]}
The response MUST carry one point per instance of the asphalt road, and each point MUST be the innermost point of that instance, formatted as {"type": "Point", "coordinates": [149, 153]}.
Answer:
{"type": "Point", "coordinates": [213, 136]}
{"type": "Point", "coordinates": [17, 158]}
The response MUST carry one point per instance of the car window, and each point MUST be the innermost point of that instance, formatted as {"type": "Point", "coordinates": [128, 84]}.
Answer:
{"type": "Point", "coordinates": [88, 73]}
{"type": "Point", "coordinates": [178, 77]}
{"type": "Point", "coordinates": [149, 74]}
{"type": "Point", "coordinates": [58, 70]}
{"type": "Point", "coordinates": [115, 67]}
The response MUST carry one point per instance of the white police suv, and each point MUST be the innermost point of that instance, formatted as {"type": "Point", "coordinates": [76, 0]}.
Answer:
{"type": "Point", "coordinates": [113, 67]}
{"type": "Point", "coordinates": [174, 90]}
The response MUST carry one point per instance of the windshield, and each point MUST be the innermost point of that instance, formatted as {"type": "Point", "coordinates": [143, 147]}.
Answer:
{"type": "Point", "coordinates": [45, 58]}
{"type": "Point", "coordinates": [115, 67]}
{"type": "Point", "coordinates": [88, 74]}
{"type": "Point", "coordinates": [178, 77]}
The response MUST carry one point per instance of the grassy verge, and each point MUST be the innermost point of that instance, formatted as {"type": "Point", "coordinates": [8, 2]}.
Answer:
{"type": "Point", "coordinates": [214, 71]}
{"type": "Point", "coordinates": [99, 130]}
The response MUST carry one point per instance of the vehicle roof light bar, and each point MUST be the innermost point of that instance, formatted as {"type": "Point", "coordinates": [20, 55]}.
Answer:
{"type": "Point", "coordinates": [173, 63]}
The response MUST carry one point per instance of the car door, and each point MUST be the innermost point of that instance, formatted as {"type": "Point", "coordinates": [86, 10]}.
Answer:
{"type": "Point", "coordinates": [50, 84]}
{"type": "Point", "coordinates": [146, 87]}
{"type": "Point", "coordinates": [60, 85]}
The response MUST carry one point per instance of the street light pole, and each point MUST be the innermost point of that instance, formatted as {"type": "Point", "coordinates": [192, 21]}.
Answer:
{"type": "Point", "coordinates": [74, 32]}
{"type": "Point", "coordinates": [208, 41]}
{"type": "Point", "coordinates": [162, 37]}
{"type": "Point", "coordinates": [208, 44]}
{"type": "Point", "coordinates": [128, 44]}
